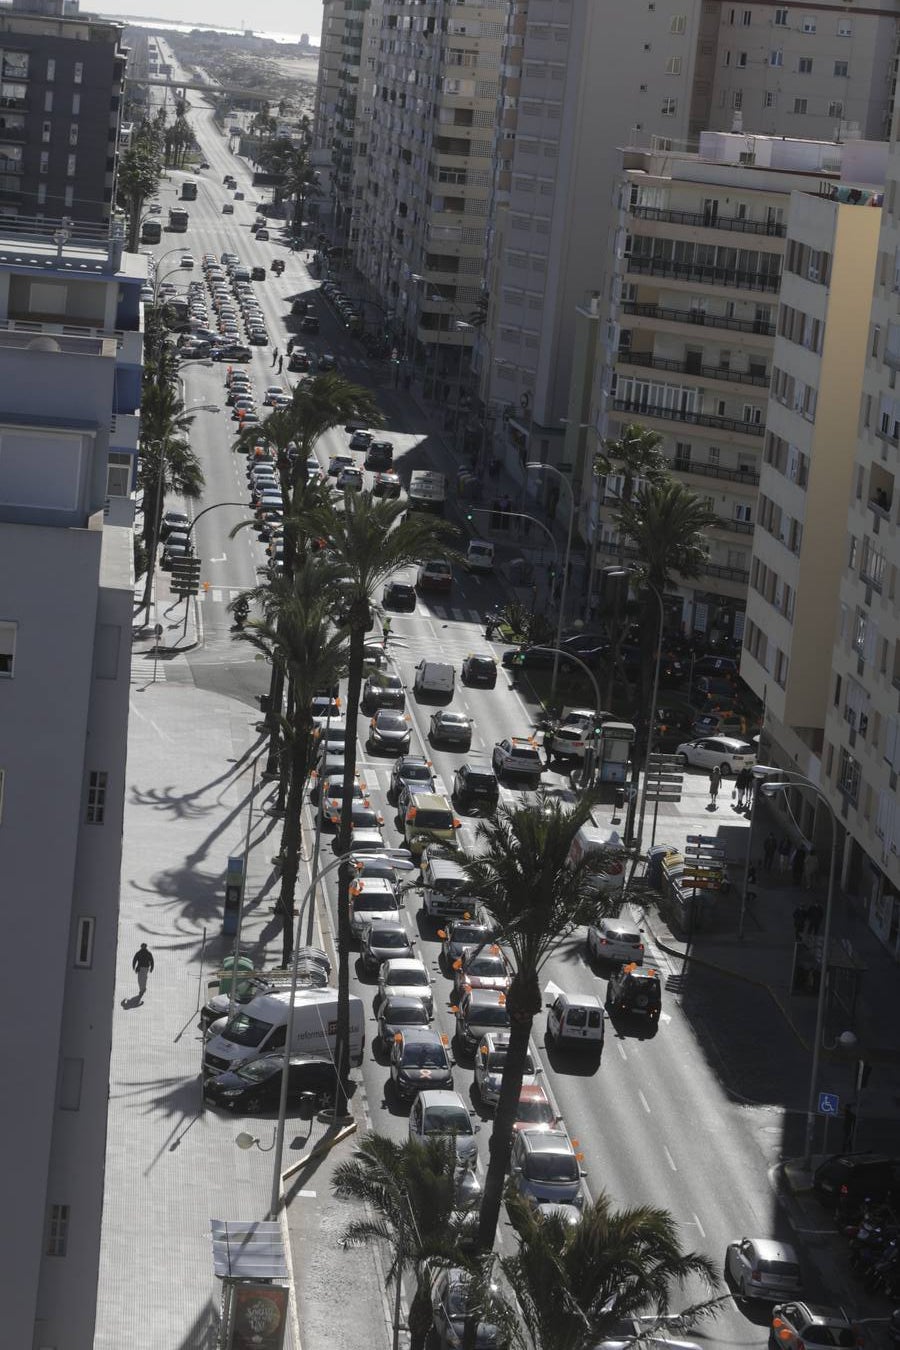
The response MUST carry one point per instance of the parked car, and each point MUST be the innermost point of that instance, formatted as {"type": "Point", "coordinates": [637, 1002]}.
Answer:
{"type": "Point", "coordinates": [846, 1179]}
{"type": "Point", "coordinates": [477, 1012]}
{"type": "Point", "coordinates": [395, 1013]}
{"type": "Point", "coordinates": [406, 975]}
{"type": "Point", "coordinates": [490, 1061]}
{"type": "Point", "coordinates": [383, 941]}
{"type": "Point", "coordinates": [731, 755]}
{"type": "Point", "coordinates": [798, 1325]}
{"type": "Point", "coordinates": [763, 1268]}
{"type": "Point", "coordinates": [451, 1296]}
{"type": "Point", "coordinates": [255, 1085]}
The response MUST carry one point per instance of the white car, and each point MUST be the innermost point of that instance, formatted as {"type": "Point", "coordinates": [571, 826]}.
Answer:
{"type": "Point", "coordinates": [373, 900]}
{"type": "Point", "coordinates": [616, 941]}
{"type": "Point", "coordinates": [406, 976]}
{"type": "Point", "coordinates": [730, 754]}
{"type": "Point", "coordinates": [444, 1113]}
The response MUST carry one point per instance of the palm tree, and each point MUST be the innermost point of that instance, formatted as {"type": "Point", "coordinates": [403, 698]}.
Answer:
{"type": "Point", "coordinates": [368, 540]}
{"type": "Point", "coordinates": [296, 633]}
{"type": "Point", "coordinates": [665, 523]}
{"type": "Point", "coordinates": [168, 464]}
{"type": "Point", "coordinates": [521, 870]}
{"type": "Point", "coordinates": [411, 1188]}
{"type": "Point", "coordinates": [574, 1284]}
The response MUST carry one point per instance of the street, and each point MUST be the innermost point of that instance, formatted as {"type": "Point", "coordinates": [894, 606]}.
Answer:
{"type": "Point", "coordinates": [656, 1121]}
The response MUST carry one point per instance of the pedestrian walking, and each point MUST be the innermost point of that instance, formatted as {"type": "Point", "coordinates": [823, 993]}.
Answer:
{"type": "Point", "coordinates": [386, 629]}
{"type": "Point", "coordinates": [814, 916]}
{"type": "Point", "coordinates": [715, 782]}
{"type": "Point", "coordinates": [784, 856]}
{"type": "Point", "coordinates": [741, 783]}
{"type": "Point", "coordinates": [770, 844]}
{"type": "Point", "coordinates": [797, 861]}
{"type": "Point", "coordinates": [810, 870]}
{"type": "Point", "coordinates": [142, 963]}
{"type": "Point", "coordinates": [280, 364]}
{"type": "Point", "coordinates": [274, 355]}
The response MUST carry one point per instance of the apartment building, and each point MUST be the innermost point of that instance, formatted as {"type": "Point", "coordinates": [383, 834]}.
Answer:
{"type": "Point", "coordinates": [431, 76]}
{"type": "Point", "coordinates": [861, 750]}
{"type": "Point", "coordinates": [70, 374]}
{"type": "Point", "coordinates": [805, 71]}
{"type": "Point", "coordinates": [60, 105]}
{"type": "Point", "coordinates": [811, 420]}
{"type": "Point", "coordinates": [696, 275]}
{"type": "Point", "coordinates": [338, 134]}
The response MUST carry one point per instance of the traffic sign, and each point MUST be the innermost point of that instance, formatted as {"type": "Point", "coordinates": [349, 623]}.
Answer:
{"type": "Point", "coordinates": [828, 1103]}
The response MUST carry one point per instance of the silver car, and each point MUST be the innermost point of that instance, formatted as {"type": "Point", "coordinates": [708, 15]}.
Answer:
{"type": "Point", "coordinates": [763, 1268]}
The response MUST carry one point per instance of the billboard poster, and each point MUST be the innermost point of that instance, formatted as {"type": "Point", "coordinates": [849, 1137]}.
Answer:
{"type": "Point", "coordinates": [259, 1317]}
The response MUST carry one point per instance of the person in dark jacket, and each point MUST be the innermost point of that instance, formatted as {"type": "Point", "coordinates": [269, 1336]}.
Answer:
{"type": "Point", "coordinates": [142, 963]}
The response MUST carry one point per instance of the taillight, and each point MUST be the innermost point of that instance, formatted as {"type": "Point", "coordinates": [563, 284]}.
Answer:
{"type": "Point", "coordinates": [844, 1190]}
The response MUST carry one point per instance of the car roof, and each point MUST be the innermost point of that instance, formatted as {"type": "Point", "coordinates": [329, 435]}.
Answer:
{"type": "Point", "coordinates": [546, 1141]}
{"type": "Point", "coordinates": [403, 963]}
{"type": "Point", "coordinates": [771, 1249]}
{"type": "Point", "coordinates": [400, 1001]}
{"type": "Point", "coordinates": [441, 1097]}
{"type": "Point", "coordinates": [580, 1000]}
{"type": "Point", "coordinates": [493, 996]}
{"type": "Point", "coordinates": [431, 801]}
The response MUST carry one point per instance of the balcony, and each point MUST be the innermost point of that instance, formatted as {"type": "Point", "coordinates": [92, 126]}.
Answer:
{"type": "Point", "coordinates": [701, 218]}
{"type": "Point", "coordinates": [699, 318]}
{"type": "Point", "coordinates": [700, 273]}
{"type": "Point", "coordinates": [735, 424]}
{"type": "Point", "coordinates": [735, 526]}
{"type": "Point", "coordinates": [692, 368]}
{"type": "Point", "coordinates": [610, 546]}
{"type": "Point", "coordinates": [715, 471]}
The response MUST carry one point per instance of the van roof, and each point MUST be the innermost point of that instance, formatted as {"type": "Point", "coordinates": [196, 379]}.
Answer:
{"type": "Point", "coordinates": [275, 1003]}
{"type": "Point", "coordinates": [430, 801]}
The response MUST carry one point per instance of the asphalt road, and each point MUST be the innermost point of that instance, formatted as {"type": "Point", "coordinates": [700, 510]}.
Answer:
{"type": "Point", "coordinates": [652, 1121]}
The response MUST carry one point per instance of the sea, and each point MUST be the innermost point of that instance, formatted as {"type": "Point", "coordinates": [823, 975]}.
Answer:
{"type": "Point", "coordinates": [141, 22]}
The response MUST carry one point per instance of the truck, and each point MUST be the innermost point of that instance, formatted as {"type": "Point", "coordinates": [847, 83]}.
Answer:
{"type": "Point", "coordinates": [151, 232]}
{"type": "Point", "coordinates": [259, 1026]}
{"type": "Point", "coordinates": [427, 491]}
{"type": "Point", "coordinates": [592, 838]}
{"type": "Point", "coordinates": [189, 190]}
{"type": "Point", "coordinates": [178, 219]}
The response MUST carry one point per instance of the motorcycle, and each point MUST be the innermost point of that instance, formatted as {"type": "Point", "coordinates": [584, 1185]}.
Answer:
{"type": "Point", "coordinates": [241, 612]}
{"type": "Point", "coordinates": [492, 621]}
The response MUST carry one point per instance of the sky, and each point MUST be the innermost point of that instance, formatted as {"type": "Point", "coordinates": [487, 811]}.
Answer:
{"type": "Point", "coordinates": [273, 16]}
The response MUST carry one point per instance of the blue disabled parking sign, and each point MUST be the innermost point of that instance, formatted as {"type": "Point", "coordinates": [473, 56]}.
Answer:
{"type": "Point", "coordinates": [828, 1103]}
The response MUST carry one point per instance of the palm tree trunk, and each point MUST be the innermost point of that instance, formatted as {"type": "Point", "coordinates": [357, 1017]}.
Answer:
{"type": "Point", "coordinates": [287, 765]}
{"type": "Point", "coordinates": [290, 840]}
{"type": "Point", "coordinates": [358, 625]}
{"type": "Point", "coordinates": [522, 1011]}
{"type": "Point", "coordinates": [420, 1317]}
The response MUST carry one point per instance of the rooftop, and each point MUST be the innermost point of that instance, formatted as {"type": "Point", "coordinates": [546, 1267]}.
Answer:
{"type": "Point", "coordinates": [68, 246]}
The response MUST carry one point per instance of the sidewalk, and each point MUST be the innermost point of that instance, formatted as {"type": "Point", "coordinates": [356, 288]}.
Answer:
{"type": "Point", "coordinates": [171, 1165]}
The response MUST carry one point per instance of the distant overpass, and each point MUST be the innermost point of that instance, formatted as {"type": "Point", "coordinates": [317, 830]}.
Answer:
{"type": "Point", "coordinates": [167, 82]}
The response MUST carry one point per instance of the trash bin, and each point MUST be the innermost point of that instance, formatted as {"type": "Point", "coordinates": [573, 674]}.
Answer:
{"type": "Point", "coordinates": [244, 965]}
{"type": "Point", "coordinates": [655, 857]}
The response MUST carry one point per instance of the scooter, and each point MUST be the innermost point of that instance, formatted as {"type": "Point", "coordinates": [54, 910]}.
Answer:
{"type": "Point", "coordinates": [241, 612]}
{"type": "Point", "coordinates": [492, 622]}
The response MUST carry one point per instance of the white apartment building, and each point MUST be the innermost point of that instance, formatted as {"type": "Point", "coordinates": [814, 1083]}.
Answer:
{"type": "Point", "coordinates": [431, 74]}
{"type": "Point", "coordinates": [70, 376]}
{"type": "Point", "coordinates": [805, 71]}
{"type": "Point", "coordinates": [696, 274]}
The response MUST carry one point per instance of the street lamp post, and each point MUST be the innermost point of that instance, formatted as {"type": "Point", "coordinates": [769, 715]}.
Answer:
{"type": "Point", "coordinates": [550, 468]}
{"type": "Point", "coordinates": [793, 779]}
{"type": "Point", "coordinates": [651, 720]}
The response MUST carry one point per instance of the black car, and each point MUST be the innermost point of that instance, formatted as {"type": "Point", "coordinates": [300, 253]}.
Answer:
{"type": "Point", "coordinates": [396, 1014]}
{"type": "Point", "coordinates": [298, 361]}
{"type": "Point", "coordinates": [846, 1179]}
{"type": "Point", "coordinates": [255, 1085]}
{"type": "Point", "coordinates": [419, 1060]}
{"type": "Point", "coordinates": [399, 595]}
{"type": "Point", "coordinates": [309, 323]}
{"type": "Point", "coordinates": [257, 274]}
{"type": "Point", "coordinates": [475, 787]}
{"type": "Point", "coordinates": [479, 670]}
{"type": "Point", "coordinates": [382, 690]}
{"type": "Point", "coordinates": [379, 455]}
{"type": "Point", "coordinates": [635, 989]}
{"type": "Point", "coordinates": [173, 522]}
{"type": "Point", "coordinates": [409, 769]}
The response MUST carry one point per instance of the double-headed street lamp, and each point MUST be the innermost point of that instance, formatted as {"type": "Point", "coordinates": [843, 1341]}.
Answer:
{"type": "Point", "coordinates": [550, 468]}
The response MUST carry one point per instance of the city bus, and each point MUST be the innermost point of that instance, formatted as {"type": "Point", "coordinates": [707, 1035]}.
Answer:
{"type": "Point", "coordinates": [427, 491]}
{"type": "Point", "coordinates": [178, 219]}
{"type": "Point", "coordinates": [189, 190]}
{"type": "Point", "coordinates": [151, 232]}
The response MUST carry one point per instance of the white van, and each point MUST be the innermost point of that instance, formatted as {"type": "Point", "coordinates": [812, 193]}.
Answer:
{"type": "Point", "coordinates": [261, 1026]}
{"type": "Point", "coordinates": [577, 1020]}
{"type": "Point", "coordinates": [434, 677]}
{"type": "Point", "coordinates": [446, 890]}
{"type": "Point", "coordinates": [480, 556]}
{"type": "Point", "coordinates": [593, 838]}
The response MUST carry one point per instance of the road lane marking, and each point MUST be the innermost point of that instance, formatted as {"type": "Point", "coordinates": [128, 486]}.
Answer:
{"type": "Point", "coordinates": [621, 1049]}
{"type": "Point", "coordinates": [643, 1100]}
{"type": "Point", "coordinates": [700, 1227]}
{"type": "Point", "coordinates": [669, 1159]}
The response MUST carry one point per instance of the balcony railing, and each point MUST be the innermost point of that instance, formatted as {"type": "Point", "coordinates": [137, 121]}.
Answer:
{"type": "Point", "coordinates": [685, 415]}
{"type": "Point", "coordinates": [698, 317]}
{"type": "Point", "coordinates": [770, 227]}
{"type": "Point", "coordinates": [610, 546]}
{"type": "Point", "coordinates": [734, 278]}
{"type": "Point", "coordinates": [736, 526]}
{"type": "Point", "coordinates": [715, 471]}
{"type": "Point", "coordinates": [691, 368]}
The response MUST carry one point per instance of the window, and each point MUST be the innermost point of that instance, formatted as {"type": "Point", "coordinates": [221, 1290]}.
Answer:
{"type": "Point", "coordinates": [781, 18]}
{"type": "Point", "coordinates": [69, 195]}
{"type": "Point", "coordinates": [678, 24]}
{"type": "Point", "coordinates": [673, 65]}
{"type": "Point", "coordinates": [48, 100]}
{"type": "Point", "coordinates": [743, 512]}
{"type": "Point", "coordinates": [841, 70]}
{"type": "Point", "coordinates": [737, 99]}
{"type": "Point", "coordinates": [669, 107]}
{"type": "Point", "coordinates": [804, 65]}
{"type": "Point", "coordinates": [51, 71]}
{"type": "Point", "coordinates": [42, 194]}
{"type": "Point", "coordinates": [96, 802]}
{"type": "Point", "coordinates": [809, 23]}
{"type": "Point", "coordinates": [781, 668]}
{"type": "Point", "coordinates": [726, 58]}
{"type": "Point", "coordinates": [58, 1230]}
{"type": "Point", "coordinates": [46, 131]}
{"type": "Point", "coordinates": [776, 57]}
{"type": "Point", "coordinates": [78, 72]}
{"type": "Point", "coordinates": [76, 104]}
{"type": "Point", "coordinates": [746, 18]}
{"type": "Point", "coordinates": [768, 99]}
{"type": "Point", "coordinates": [84, 942]}
{"type": "Point", "coordinates": [742, 60]}
{"type": "Point", "coordinates": [7, 649]}
{"type": "Point", "coordinates": [70, 166]}
{"type": "Point", "coordinates": [799, 105]}
{"type": "Point", "coordinates": [845, 28]}
{"type": "Point", "coordinates": [45, 161]}
{"type": "Point", "coordinates": [836, 108]}
{"type": "Point", "coordinates": [848, 774]}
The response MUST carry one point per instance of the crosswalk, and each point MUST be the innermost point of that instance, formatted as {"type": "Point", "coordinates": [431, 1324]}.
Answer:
{"type": "Point", "coordinates": [443, 613]}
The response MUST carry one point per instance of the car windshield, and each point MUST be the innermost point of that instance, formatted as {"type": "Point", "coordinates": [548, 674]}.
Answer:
{"type": "Point", "coordinates": [388, 937]}
{"type": "Point", "coordinates": [415, 773]}
{"type": "Point", "coordinates": [783, 1268]}
{"type": "Point", "coordinates": [535, 1112]}
{"type": "Point", "coordinates": [258, 1070]}
{"type": "Point", "coordinates": [383, 900]}
{"type": "Point", "coordinates": [392, 722]}
{"type": "Point", "coordinates": [447, 1120]}
{"type": "Point", "coordinates": [624, 935]}
{"type": "Point", "coordinates": [469, 934]}
{"type": "Point", "coordinates": [454, 719]}
{"type": "Point", "coordinates": [532, 755]}
{"type": "Point", "coordinates": [406, 1017]}
{"type": "Point", "coordinates": [411, 979]}
{"type": "Point", "coordinates": [486, 965]}
{"type": "Point", "coordinates": [402, 590]}
{"type": "Point", "coordinates": [552, 1167]}
{"type": "Point", "coordinates": [425, 1056]}
{"type": "Point", "coordinates": [245, 1030]}
{"type": "Point", "coordinates": [483, 664]}
{"type": "Point", "coordinates": [488, 1015]}
{"type": "Point", "coordinates": [434, 820]}
{"type": "Point", "coordinates": [497, 1063]}
{"type": "Point", "coordinates": [480, 780]}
